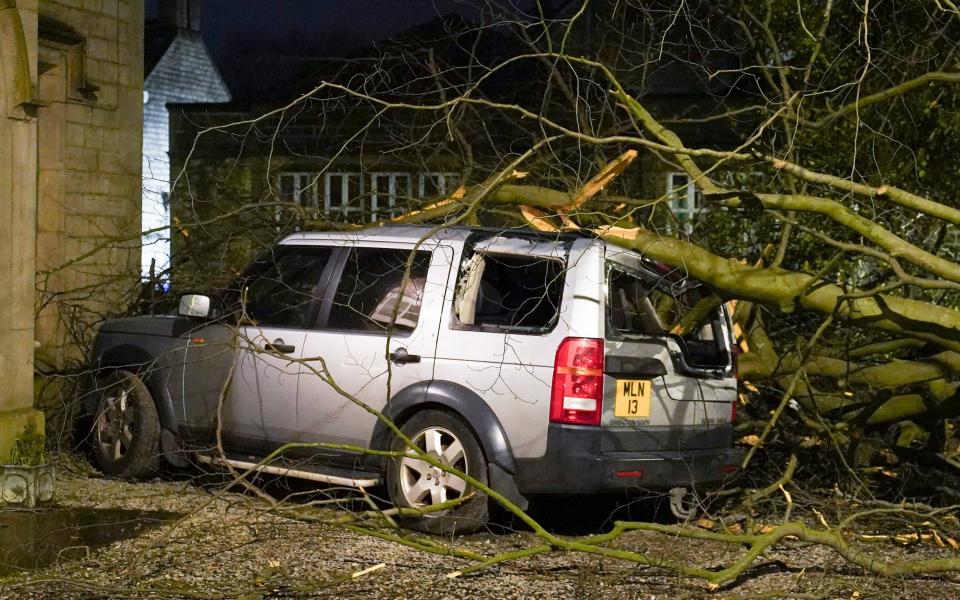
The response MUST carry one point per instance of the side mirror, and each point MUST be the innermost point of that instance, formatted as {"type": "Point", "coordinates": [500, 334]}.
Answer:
{"type": "Point", "coordinates": [194, 305]}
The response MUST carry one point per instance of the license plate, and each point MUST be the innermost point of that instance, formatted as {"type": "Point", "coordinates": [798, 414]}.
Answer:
{"type": "Point", "coordinates": [633, 398]}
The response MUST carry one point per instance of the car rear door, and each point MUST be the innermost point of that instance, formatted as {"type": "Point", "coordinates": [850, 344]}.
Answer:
{"type": "Point", "coordinates": [376, 335]}
{"type": "Point", "coordinates": [665, 388]}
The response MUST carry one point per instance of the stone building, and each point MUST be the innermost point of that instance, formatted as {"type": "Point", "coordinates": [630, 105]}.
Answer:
{"type": "Point", "coordinates": [71, 96]}
{"type": "Point", "coordinates": [178, 68]}
{"type": "Point", "coordinates": [341, 159]}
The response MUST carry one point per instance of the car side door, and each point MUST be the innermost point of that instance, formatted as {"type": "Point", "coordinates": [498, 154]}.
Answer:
{"type": "Point", "coordinates": [277, 303]}
{"type": "Point", "coordinates": [377, 336]}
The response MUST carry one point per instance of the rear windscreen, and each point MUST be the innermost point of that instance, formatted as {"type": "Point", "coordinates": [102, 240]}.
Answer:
{"type": "Point", "coordinates": [639, 305]}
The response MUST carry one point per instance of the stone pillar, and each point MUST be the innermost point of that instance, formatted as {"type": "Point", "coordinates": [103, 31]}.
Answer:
{"type": "Point", "coordinates": [18, 217]}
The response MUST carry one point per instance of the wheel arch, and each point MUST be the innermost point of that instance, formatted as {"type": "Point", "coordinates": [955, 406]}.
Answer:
{"type": "Point", "coordinates": [138, 361]}
{"type": "Point", "coordinates": [454, 398]}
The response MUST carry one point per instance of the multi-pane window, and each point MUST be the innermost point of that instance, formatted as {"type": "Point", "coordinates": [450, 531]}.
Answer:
{"type": "Point", "coordinates": [362, 197]}
{"type": "Point", "coordinates": [684, 200]}
{"type": "Point", "coordinates": [299, 188]}
{"type": "Point", "coordinates": [387, 190]}
{"type": "Point", "coordinates": [434, 184]}
{"type": "Point", "coordinates": [343, 196]}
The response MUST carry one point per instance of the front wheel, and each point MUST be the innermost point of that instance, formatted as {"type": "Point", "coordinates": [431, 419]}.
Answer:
{"type": "Point", "coordinates": [126, 428]}
{"type": "Point", "coordinates": [415, 483]}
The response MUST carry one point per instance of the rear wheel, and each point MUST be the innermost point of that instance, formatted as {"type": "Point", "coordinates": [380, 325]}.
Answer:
{"type": "Point", "coordinates": [126, 428]}
{"type": "Point", "coordinates": [415, 483]}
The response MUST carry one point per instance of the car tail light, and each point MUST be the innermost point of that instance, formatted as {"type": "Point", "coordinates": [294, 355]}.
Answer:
{"type": "Point", "coordinates": [577, 396]}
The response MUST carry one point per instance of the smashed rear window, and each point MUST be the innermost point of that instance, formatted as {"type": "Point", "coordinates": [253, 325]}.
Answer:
{"type": "Point", "coordinates": [498, 290]}
{"type": "Point", "coordinates": [645, 304]}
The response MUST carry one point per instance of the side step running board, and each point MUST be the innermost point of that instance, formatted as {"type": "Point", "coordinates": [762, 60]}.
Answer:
{"type": "Point", "coordinates": [344, 478]}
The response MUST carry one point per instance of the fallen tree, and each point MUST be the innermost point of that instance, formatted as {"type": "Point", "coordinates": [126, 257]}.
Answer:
{"type": "Point", "coordinates": [868, 376]}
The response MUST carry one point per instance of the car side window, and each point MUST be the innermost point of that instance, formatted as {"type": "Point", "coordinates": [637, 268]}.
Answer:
{"type": "Point", "coordinates": [374, 296]}
{"type": "Point", "coordinates": [281, 291]}
{"type": "Point", "coordinates": [503, 292]}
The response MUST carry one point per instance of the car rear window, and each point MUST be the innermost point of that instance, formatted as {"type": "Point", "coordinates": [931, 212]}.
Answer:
{"type": "Point", "coordinates": [374, 296]}
{"type": "Point", "coordinates": [508, 292]}
{"type": "Point", "coordinates": [648, 305]}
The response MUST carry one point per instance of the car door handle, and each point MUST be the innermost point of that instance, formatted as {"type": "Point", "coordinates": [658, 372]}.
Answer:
{"type": "Point", "coordinates": [279, 346]}
{"type": "Point", "coordinates": [400, 356]}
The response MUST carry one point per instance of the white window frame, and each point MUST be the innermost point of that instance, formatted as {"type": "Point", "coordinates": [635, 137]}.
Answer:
{"type": "Point", "coordinates": [345, 208]}
{"type": "Point", "coordinates": [305, 190]}
{"type": "Point", "coordinates": [386, 198]}
{"type": "Point", "coordinates": [447, 182]}
{"type": "Point", "coordinates": [304, 185]}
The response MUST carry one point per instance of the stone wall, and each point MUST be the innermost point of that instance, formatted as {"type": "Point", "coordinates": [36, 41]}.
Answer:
{"type": "Point", "coordinates": [88, 202]}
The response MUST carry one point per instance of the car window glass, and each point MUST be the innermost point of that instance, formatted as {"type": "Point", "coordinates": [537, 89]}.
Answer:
{"type": "Point", "coordinates": [509, 292]}
{"type": "Point", "coordinates": [630, 305]}
{"type": "Point", "coordinates": [280, 294]}
{"type": "Point", "coordinates": [373, 294]}
{"type": "Point", "coordinates": [691, 315]}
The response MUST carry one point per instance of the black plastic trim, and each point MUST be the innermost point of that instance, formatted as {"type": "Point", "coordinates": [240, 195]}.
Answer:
{"type": "Point", "coordinates": [136, 359]}
{"type": "Point", "coordinates": [478, 415]}
{"type": "Point", "coordinates": [574, 463]}
{"type": "Point", "coordinates": [326, 288]}
{"type": "Point", "coordinates": [633, 366]}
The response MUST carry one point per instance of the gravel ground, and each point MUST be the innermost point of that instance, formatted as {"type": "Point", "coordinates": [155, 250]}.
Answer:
{"type": "Point", "coordinates": [229, 545]}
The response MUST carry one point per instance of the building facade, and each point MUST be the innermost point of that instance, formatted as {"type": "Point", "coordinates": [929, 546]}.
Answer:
{"type": "Point", "coordinates": [71, 89]}
{"type": "Point", "coordinates": [338, 159]}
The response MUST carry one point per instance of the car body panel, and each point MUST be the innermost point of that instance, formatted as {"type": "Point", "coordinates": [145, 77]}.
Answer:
{"type": "Point", "coordinates": [357, 362]}
{"type": "Point", "coordinates": [498, 379]}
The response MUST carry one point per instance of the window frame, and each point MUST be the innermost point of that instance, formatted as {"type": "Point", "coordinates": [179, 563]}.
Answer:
{"type": "Point", "coordinates": [444, 179]}
{"type": "Point", "coordinates": [468, 253]}
{"type": "Point", "coordinates": [344, 210]}
{"type": "Point", "coordinates": [683, 200]}
{"type": "Point", "coordinates": [322, 321]}
{"type": "Point", "coordinates": [299, 177]}
{"type": "Point", "coordinates": [390, 195]}
{"type": "Point", "coordinates": [232, 295]}
{"type": "Point", "coordinates": [312, 191]}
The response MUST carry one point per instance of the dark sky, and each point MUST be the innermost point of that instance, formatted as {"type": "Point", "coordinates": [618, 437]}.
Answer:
{"type": "Point", "coordinates": [310, 27]}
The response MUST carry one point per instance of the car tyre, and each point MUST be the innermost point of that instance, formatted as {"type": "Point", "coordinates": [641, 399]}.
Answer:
{"type": "Point", "coordinates": [125, 434]}
{"type": "Point", "coordinates": [414, 483]}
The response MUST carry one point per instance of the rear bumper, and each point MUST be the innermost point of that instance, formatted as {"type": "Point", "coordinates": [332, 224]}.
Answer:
{"type": "Point", "coordinates": [575, 463]}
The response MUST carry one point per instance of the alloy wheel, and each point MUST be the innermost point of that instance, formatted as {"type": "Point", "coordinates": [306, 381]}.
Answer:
{"type": "Point", "coordinates": [423, 484]}
{"type": "Point", "coordinates": [115, 424]}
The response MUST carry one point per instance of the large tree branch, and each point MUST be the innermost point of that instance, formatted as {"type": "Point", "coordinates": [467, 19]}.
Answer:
{"type": "Point", "coordinates": [895, 245]}
{"type": "Point", "coordinates": [893, 314]}
{"type": "Point", "coordinates": [894, 194]}
{"type": "Point", "coordinates": [891, 92]}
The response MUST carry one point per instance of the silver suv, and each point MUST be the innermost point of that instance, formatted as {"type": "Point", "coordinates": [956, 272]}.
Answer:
{"type": "Point", "coordinates": [538, 363]}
